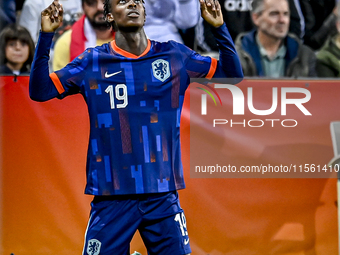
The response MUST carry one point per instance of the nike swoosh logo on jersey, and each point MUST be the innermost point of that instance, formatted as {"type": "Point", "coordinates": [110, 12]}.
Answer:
{"type": "Point", "coordinates": [186, 241]}
{"type": "Point", "coordinates": [111, 74]}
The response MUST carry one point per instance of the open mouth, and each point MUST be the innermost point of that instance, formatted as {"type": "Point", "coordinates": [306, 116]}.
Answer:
{"type": "Point", "coordinates": [133, 14]}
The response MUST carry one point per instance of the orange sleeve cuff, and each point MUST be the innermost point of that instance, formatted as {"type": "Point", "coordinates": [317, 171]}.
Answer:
{"type": "Point", "coordinates": [57, 83]}
{"type": "Point", "coordinates": [212, 69]}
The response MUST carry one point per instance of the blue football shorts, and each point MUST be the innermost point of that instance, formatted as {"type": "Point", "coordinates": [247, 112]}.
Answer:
{"type": "Point", "coordinates": [159, 219]}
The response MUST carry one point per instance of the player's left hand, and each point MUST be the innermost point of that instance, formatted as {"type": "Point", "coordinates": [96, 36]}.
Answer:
{"type": "Point", "coordinates": [52, 17]}
{"type": "Point", "coordinates": [211, 12]}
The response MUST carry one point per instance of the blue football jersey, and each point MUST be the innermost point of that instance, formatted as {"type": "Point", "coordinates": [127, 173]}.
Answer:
{"type": "Point", "coordinates": [134, 105]}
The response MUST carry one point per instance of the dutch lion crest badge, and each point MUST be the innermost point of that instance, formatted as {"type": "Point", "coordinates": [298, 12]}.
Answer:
{"type": "Point", "coordinates": [93, 247]}
{"type": "Point", "coordinates": [161, 69]}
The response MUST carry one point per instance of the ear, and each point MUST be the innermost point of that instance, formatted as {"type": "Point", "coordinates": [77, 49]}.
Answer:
{"type": "Point", "coordinates": [109, 17]}
{"type": "Point", "coordinates": [255, 18]}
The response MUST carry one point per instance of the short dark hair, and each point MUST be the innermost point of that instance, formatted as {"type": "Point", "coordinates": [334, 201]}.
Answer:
{"type": "Point", "coordinates": [16, 32]}
{"type": "Point", "coordinates": [107, 6]}
{"type": "Point", "coordinates": [107, 10]}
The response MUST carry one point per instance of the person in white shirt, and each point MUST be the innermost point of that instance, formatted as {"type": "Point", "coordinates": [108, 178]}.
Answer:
{"type": "Point", "coordinates": [165, 18]}
{"type": "Point", "coordinates": [30, 15]}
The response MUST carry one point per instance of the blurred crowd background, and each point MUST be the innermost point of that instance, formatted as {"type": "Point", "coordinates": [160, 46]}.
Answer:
{"type": "Point", "coordinates": [274, 38]}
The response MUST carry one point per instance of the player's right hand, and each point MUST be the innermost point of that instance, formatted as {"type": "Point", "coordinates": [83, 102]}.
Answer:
{"type": "Point", "coordinates": [211, 12]}
{"type": "Point", "coordinates": [52, 17]}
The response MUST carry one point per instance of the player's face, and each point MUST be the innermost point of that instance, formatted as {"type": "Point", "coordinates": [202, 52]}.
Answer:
{"type": "Point", "coordinates": [127, 13]}
{"type": "Point", "coordinates": [273, 21]}
{"type": "Point", "coordinates": [94, 11]}
{"type": "Point", "coordinates": [16, 52]}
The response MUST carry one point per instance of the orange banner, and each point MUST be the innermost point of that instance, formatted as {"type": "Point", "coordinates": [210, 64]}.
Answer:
{"type": "Point", "coordinates": [44, 211]}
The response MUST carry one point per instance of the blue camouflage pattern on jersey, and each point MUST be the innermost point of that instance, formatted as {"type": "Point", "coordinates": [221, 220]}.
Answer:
{"type": "Point", "coordinates": [134, 106]}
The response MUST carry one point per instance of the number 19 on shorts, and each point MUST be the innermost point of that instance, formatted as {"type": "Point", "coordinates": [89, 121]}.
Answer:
{"type": "Point", "coordinates": [180, 218]}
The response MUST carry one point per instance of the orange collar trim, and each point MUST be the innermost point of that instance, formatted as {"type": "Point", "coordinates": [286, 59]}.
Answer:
{"type": "Point", "coordinates": [128, 54]}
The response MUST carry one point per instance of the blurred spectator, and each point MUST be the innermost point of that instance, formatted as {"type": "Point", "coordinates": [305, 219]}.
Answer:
{"type": "Point", "coordinates": [16, 50]}
{"type": "Point", "coordinates": [7, 13]}
{"type": "Point", "coordinates": [298, 21]}
{"type": "Point", "coordinates": [328, 58]}
{"type": "Point", "coordinates": [165, 19]}
{"type": "Point", "coordinates": [30, 16]}
{"type": "Point", "coordinates": [90, 30]}
{"type": "Point", "coordinates": [313, 21]}
{"type": "Point", "coordinates": [19, 4]}
{"type": "Point", "coordinates": [236, 15]}
{"type": "Point", "coordinates": [325, 23]}
{"type": "Point", "coordinates": [269, 50]}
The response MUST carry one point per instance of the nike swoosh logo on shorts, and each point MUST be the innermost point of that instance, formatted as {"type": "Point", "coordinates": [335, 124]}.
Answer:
{"type": "Point", "coordinates": [112, 74]}
{"type": "Point", "coordinates": [186, 241]}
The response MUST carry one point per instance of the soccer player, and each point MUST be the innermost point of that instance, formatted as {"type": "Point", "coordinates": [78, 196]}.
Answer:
{"type": "Point", "coordinates": [134, 89]}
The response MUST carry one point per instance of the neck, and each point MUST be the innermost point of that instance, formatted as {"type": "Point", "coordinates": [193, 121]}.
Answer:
{"type": "Point", "coordinates": [271, 44]}
{"type": "Point", "coordinates": [132, 42]}
{"type": "Point", "coordinates": [103, 34]}
{"type": "Point", "coordinates": [14, 66]}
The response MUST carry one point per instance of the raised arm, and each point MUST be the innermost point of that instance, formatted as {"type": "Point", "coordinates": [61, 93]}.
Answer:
{"type": "Point", "coordinates": [229, 64]}
{"type": "Point", "coordinates": [41, 87]}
